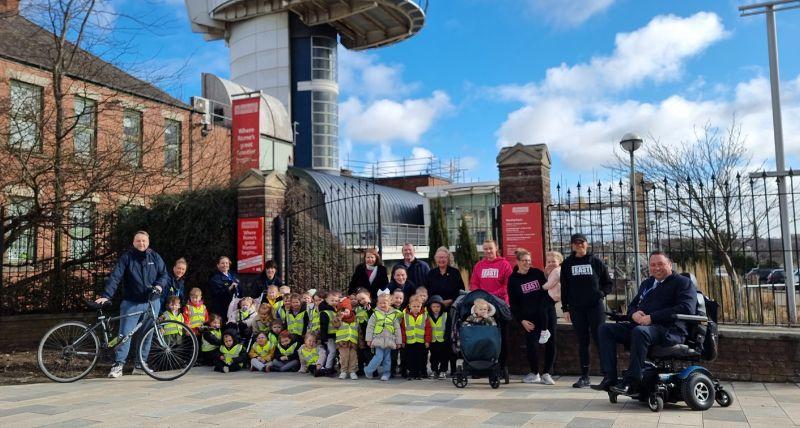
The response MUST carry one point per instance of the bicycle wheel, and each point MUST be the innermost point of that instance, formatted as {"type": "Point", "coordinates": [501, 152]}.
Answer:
{"type": "Point", "coordinates": [171, 356]}
{"type": "Point", "coordinates": [68, 352]}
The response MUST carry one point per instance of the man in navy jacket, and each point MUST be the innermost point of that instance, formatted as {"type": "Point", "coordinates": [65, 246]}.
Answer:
{"type": "Point", "coordinates": [660, 297]}
{"type": "Point", "coordinates": [140, 269]}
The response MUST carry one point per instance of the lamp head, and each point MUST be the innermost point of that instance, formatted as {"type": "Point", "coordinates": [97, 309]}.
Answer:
{"type": "Point", "coordinates": [630, 142]}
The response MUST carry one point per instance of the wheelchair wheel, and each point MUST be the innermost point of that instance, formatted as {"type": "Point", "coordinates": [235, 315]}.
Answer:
{"type": "Point", "coordinates": [723, 398]}
{"type": "Point", "coordinates": [494, 382]}
{"type": "Point", "coordinates": [655, 402]}
{"type": "Point", "coordinates": [612, 397]}
{"type": "Point", "coordinates": [698, 391]}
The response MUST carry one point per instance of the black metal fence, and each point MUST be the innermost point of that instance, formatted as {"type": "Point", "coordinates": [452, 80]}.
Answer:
{"type": "Point", "coordinates": [725, 231]}
{"type": "Point", "coordinates": [52, 266]}
{"type": "Point", "coordinates": [326, 234]}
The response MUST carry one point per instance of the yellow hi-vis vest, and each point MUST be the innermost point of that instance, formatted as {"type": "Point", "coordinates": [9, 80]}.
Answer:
{"type": "Point", "coordinates": [347, 332]}
{"type": "Point", "coordinates": [415, 327]}
{"type": "Point", "coordinates": [331, 316]}
{"type": "Point", "coordinates": [243, 315]}
{"type": "Point", "coordinates": [294, 323]}
{"type": "Point", "coordinates": [264, 352]}
{"type": "Point", "coordinates": [362, 315]}
{"type": "Point", "coordinates": [384, 320]}
{"type": "Point", "coordinates": [230, 354]}
{"type": "Point", "coordinates": [310, 356]}
{"type": "Point", "coordinates": [197, 315]}
{"type": "Point", "coordinates": [313, 320]}
{"type": "Point", "coordinates": [437, 328]}
{"type": "Point", "coordinates": [285, 352]}
{"type": "Point", "coordinates": [170, 328]}
{"type": "Point", "coordinates": [279, 310]}
{"type": "Point", "coordinates": [206, 346]}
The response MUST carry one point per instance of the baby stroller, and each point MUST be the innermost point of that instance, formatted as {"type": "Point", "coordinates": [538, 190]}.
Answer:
{"type": "Point", "coordinates": [477, 346]}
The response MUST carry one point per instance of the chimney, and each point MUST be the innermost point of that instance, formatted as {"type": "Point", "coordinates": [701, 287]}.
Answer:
{"type": "Point", "coordinates": [9, 7]}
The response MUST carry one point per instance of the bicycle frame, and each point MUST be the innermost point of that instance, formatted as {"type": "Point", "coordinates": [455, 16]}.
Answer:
{"type": "Point", "coordinates": [103, 322]}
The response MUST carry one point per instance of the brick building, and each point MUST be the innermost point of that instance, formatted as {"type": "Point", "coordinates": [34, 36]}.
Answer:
{"type": "Point", "coordinates": [100, 141]}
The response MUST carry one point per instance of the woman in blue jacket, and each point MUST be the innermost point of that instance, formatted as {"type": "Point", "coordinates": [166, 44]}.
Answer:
{"type": "Point", "coordinates": [223, 285]}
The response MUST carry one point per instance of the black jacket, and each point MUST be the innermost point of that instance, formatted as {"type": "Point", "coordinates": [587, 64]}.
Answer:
{"type": "Point", "coordinates": [139, 271]}
{"type": "Point", "coordinates": [324, 320]}
{"type": "Point", "coordinates": [447, 286]}
{"type": "Point", "coordinates": [360, 279]}
{"type": "Point", "coordinates": [221, 296]}
{"type": "Point", "coordinates": [584, 281]}
{"type": "Point", "coordinates": [527, 297]}
{"type": "Point", "coordinates": [675, 295]}
{"type": "Point", "coordinates": [260, 287]}
{"type": "Point", "coordinates": [417, 270]}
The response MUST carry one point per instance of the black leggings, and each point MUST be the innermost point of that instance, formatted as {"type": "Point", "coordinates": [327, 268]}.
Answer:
{"type": "Point", "coordinates": [586, 321]}
{"type": "Point", "coordinates": [532, 342]}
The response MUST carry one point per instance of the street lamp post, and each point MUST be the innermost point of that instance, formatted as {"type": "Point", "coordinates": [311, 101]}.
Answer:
{"type": "Point", "coordinates": [769, 8]}
{"type": "Point", "coordinates": [630, 143]}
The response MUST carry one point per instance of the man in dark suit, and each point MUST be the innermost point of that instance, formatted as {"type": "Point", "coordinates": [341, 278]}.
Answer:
{"type": "Point", "coordinates": [660, 296]}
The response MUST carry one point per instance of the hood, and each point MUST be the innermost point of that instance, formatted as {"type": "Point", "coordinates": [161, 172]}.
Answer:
{"type": "Point", "coordinates": [492, 310]}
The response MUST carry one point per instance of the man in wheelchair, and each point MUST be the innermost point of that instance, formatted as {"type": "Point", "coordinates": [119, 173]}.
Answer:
{"type": "Point", "coordinates": [651, 322]}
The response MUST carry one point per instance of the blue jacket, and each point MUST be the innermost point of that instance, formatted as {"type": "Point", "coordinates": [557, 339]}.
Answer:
{"type": "Point", "coordinates": [174, 287]}
{"type": "Point", "coordinates": [139, 271]}
{"type": "Point", "coordinates": [220, 295]}
{"type": "Point", "coordinates": [675, 295]}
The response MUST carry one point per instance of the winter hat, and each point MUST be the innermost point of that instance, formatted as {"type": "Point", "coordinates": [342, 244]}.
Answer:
{"type": "Point", "coordinates": [436, 299]}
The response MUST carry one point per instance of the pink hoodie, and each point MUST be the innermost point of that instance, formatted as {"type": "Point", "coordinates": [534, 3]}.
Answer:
{"type": "Point", "coordinates": [492, 276]}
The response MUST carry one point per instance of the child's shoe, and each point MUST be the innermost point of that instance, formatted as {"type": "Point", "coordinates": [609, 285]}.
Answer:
{"type": "Point", "coordinates": [267, 368]}
{"type": "Point", "coordinates": [369, 374]}
{"type": "Point", "coordinates": [544, 336]}
{"type": "Point", "coordinates": [342, 375]}
{"type": "Point", "coordinates": [225, 369]}
{"type": "Point", "coordinates": [442, 376]}
{"type": "Point", "coordinates": [302, 371]}
{"type": "Point", "coordinates": [353, 376]}
{"type": "Point", "coordinates": [385, 377]}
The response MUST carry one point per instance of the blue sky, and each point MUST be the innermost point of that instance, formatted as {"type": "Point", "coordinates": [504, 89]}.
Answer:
{"type": "Point", "coordinates": [573, 74]}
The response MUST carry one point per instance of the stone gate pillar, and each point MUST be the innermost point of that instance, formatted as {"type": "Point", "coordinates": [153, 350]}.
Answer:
{"type": "Point", "coordinates": [261, 194]}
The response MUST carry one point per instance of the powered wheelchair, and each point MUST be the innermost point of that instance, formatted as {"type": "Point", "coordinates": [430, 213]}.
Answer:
{"type": "Point", "coordinates": [672, 373]}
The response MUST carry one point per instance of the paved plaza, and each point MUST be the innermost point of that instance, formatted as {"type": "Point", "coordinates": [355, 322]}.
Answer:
{"type": "Point", "coordinates": [292, 400]}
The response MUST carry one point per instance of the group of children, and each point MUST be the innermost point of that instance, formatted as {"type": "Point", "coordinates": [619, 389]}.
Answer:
{"type": "Point", "coordinates": [284, 331]}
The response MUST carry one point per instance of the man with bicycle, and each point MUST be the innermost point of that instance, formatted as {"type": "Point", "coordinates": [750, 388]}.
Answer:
{"type": "Point", "coordinates": [141, 270]}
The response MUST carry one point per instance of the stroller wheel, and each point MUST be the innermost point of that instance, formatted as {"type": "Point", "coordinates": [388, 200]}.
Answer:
{"type": "Point", "coordinates": [494, 382]}
{"type": "Point", "coordinates": [460, 381]}
{"type": "Point", "coordinates": [612, 397]}
{"type": "Point", "coordinates": [723, 398]}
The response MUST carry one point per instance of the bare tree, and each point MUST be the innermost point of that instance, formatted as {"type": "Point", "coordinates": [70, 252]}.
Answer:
{"type": "Point", "coordinates": [91, 133]}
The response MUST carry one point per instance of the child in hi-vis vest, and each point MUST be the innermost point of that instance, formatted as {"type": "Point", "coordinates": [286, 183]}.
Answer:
{"type": "Point", "coordinates": [416, 339]}
{"type": "Point", "coordinates": [232, 355]}
{"type": "Point", "coordinates": [346, 339]}
{"type": "Point", "coordinates": [384, 336]}
{"type": "Point", "coordinates": [312, 356]}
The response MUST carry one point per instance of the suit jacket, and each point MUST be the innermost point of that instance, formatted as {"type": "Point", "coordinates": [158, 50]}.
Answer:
{"type": "Point", "coordinates": [361, 280]}
{"type": "Point", "coordinates": [675, 295]}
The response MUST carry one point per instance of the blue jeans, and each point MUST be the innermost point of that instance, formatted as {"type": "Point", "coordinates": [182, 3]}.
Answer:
{"type": "Point", "coordinates": [128, 323]}
{"type": "Point", "coordinates": [382, 358]}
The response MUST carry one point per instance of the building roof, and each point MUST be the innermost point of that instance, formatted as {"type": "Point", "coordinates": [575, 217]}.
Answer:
{"type": "Point", "coordinates": [397, 206]}
{"type": "Point", "coordinates": [23, 41]}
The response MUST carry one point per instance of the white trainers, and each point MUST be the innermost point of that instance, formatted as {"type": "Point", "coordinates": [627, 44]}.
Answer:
{"type": "Point", "coordinates": [442, 376]}
{"type": "Point", "coordinates": [547, 379]}
{"type": "Point", "coordinates": [342, 375]}
{"type": "Point", "coordinates": [225, 369]}
{"type": "Point", "coordinates": [544, 336]}
{"type": "Point", "coordinates": [116, 371]}
{"type": "Point", "coordinates": [353, 376]}
{"type": "Point", "coordinates": [532, 378]}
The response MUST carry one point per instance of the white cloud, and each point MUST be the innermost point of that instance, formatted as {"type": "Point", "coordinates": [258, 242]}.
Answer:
{"type": "Point", "coordinates": [362, 74]}
{"type": "Point", "coordinates": [582, 110]}
{"type": "Point", "coordinates": [387, 121]}
{"type": "Point", "coordinates": [568, 13]}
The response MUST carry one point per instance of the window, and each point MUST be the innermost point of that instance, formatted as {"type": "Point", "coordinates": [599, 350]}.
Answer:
{"type": "Point", "coordinates": [25, 115]}
{"type": "Point", "coordinates": [84, 132]}
{"type": "Point", "coordinates": [132, 137]}
{"type": "Point", "coordinates": [325, 129]}
{"type": "Point", "coordinates": [172, 146]}
{"type": "Point", "coordinates": [323, 58]}
{"type": "Point", "coordinates": [23, 248]}
{"type": "Point", "coordinates": [81, 225]}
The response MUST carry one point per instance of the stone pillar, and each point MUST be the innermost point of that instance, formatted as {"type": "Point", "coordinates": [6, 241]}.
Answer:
{"type": "Point", "coordinates": [260, 195]}
{"type": "Point", "coordinates": [525, 177]}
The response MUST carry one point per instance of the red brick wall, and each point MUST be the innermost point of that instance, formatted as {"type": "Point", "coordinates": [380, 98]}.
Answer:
{"type": "Point", "coordinates": [411, 183]}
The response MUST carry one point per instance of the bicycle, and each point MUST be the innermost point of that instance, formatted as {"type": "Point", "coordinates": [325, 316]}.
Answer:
{"type": "Point", "coordinates": [70, 350]}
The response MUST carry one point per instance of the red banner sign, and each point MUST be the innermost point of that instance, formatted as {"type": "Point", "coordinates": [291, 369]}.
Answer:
{"type": "Point", "coordinates": [251, 245]}
{"type": "Point", "coordinates": [522, 228]}
{"type": "Point", "coordinates": [245, 134]}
